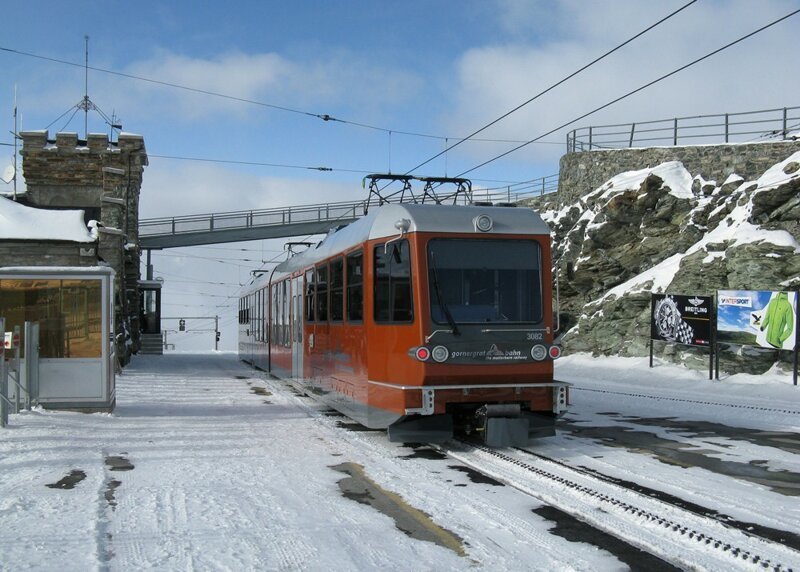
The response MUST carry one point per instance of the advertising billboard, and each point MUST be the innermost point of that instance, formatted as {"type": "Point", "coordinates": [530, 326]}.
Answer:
{"type": "Point", "coordinates": [757, 318]}
{"type": "Point", "coordinates": [681, 319]}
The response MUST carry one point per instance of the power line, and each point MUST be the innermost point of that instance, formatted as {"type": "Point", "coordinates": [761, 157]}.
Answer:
{"type": "Point", "coordinates": [229, 261]}
{"type": "Point", "coordinates": [305, 167]}
{"type": "Point", "coordinates": [323, 116]}
{"type": "Point", "coordinates": [632, 92]}
{"type": "Point", "coordinates": [259, 164]}
{"type": "Point", "coordinates": [553, 86]}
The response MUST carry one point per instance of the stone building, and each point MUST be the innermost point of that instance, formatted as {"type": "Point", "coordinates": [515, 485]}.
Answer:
{"type": "Point", "coordinates": [103, 178]}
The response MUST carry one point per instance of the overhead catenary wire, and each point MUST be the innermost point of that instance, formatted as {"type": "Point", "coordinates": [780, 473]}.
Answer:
{"type": "Point", "coordinates": [304, 167]}
{"type": "Point", "coordinates": [634, 91]}
{"type": "Point", "coordinates": [553, 86]}
{"type": "Point", "coordinates": [323, 116]}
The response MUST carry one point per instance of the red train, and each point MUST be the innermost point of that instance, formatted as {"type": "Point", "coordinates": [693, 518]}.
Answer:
{"type": "Point", "coordinates": [423, 319]}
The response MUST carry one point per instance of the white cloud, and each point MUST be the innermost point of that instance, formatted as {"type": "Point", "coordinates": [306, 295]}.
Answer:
{"type": "Point", "coordinates": [320, 85]}
{"type": "Point", "coordinates": [494, 78]}
{"type": "Point", "coordinates": [176, 188]}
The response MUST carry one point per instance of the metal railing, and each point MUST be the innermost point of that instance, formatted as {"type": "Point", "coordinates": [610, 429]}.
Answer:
{"type": "Point", "coordinates": [519, 192]}
{"type": "Point", "coordinates": [248, 219]}
{"type": "Point", "coordinates": [322, 213]}
{"type": "Point", "coordinates": [750, 126]}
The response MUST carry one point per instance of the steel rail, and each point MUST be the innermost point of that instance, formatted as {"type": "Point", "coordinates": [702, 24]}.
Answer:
{"type": "Point", "coordinates": [632, 516]}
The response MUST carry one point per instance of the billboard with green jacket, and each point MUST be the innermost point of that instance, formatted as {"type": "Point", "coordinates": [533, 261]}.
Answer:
{"type": "Point", "coordinates": [758, 318]}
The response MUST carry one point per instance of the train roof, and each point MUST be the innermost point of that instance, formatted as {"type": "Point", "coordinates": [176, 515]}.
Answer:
{"type": "Point", "coordinates": [380, 223]}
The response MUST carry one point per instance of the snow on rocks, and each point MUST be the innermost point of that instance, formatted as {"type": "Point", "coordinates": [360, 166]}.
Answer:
{"type": "Point", "coordinates": [661, 230]}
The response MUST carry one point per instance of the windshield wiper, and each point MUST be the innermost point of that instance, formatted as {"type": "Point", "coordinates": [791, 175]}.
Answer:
{"type": "Point", "coordinates": [440, 299]}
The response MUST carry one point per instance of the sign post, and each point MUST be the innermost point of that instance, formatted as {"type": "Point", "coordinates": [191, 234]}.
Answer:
{"type": "Point", "coordinates": [761, 318]}
{"type": "Point", "coordinates": [683, 320]}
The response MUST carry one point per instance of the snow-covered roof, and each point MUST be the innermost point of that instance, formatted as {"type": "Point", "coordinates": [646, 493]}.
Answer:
{"type": "Point", "coordinates": [20, 222]}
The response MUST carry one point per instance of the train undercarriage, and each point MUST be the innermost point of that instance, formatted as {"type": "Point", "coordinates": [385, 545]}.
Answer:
{"type": "Point", "coordinates": [496, 424]}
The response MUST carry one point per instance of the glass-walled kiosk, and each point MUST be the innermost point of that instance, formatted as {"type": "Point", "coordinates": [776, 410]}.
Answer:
{"type": "Point", "coordinates": [74, 309]}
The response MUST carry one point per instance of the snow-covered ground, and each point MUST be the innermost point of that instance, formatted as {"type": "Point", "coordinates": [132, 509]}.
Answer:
{"type": "Point", "coordinates": [207, 464]}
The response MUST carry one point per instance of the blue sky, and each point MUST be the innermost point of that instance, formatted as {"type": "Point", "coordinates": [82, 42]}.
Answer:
{"type": "Point", "coordinates": [439, 67]}
{"type": "Point", "coordinates": [737, 318]}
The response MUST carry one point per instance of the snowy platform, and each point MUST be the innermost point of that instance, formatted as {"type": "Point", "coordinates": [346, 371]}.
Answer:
{"type": "Point", "coordinates": [207, 464]}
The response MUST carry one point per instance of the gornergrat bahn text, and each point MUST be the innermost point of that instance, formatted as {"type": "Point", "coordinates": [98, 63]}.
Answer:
{"type": "Point", "coordinates": [423, 319]}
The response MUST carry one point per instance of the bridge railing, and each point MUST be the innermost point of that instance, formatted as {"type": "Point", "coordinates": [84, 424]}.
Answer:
{"type": "Point", "coordinates": [327, 212]}
{"type": "Point", "coordinates": [252, 218]}
{"type": "Point", "coordinates": [518, 192]}
{"type": "Point", "coordinates": [750, 126]}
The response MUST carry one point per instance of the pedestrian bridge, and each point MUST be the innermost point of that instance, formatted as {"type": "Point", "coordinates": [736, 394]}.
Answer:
{"type": "Point", "coordinates": [216, 228]}
{"type": "Point", "coordinates": [283, 222]}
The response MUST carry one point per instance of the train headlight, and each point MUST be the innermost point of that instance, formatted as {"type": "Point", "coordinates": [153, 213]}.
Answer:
{"type": "Point", "coordinates": [483, 223]}
{"type": "Point", "coordinates": [440, 354]}
{"type": "Point", "coordinates": [422, 353]}
{"type": "Point", "coordinates": [538, 352]}
{"type": "Point", "coordinates": [555, 352]}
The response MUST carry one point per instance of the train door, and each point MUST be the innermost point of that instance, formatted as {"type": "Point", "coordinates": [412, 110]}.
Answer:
{"type": "Point", "coordinates": [297, 327]}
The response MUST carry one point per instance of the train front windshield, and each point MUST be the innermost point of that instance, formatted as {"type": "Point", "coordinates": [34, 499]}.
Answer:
{"type": "Point", "coordinates": [479, 281]}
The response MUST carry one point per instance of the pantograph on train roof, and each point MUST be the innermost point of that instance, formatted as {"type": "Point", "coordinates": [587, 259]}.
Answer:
{"type": "Point", "coordinates": [435, 190]}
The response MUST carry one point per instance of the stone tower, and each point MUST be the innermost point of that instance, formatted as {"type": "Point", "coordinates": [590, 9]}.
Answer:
{"type": "Point", "coordinates": [104, 179]}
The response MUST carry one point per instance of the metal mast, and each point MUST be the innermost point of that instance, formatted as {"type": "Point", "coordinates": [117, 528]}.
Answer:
{"type": "Point", "coordinates": [86, 104]}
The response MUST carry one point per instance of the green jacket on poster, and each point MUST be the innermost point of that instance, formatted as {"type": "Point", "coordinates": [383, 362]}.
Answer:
{"type": "Point", "coordinates": [778, 320]}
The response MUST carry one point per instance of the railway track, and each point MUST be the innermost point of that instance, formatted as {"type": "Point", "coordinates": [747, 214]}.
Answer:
{"type": "Point", "coordinates": [693, 401]}
{"type": "Point", "coordinates": [678, 534]}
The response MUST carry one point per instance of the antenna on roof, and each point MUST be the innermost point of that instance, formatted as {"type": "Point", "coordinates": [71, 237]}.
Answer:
{"type": "Point", "coordinates": [86, 104]}
{"type": "Point", "coordinates": [10, 172]}
{"type": "Point", "coordinates": [16, 138]}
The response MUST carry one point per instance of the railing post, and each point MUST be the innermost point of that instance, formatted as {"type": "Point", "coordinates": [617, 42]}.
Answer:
{"type": "Point", "coordinates": [726, 128]}
{"type": "Point", "coordinates": [675, 132]}
{"type": "Point", "coordinates": [630, 141]}
{"type": "Point", "coordinates": [211, 223]}
{"type": "Point", "coordinates": [785, 127]}
{"type": "Point", "coordinates": [173, 225]}
{"type": "Point", "coordinates": [542, 187]}
{"type": "Point", "coordinates": [590, 138]}
{"type": "Point", "coordinates": [289, 212]}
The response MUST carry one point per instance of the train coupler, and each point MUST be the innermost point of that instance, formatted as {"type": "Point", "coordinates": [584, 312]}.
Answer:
{"type": "Point", "coordinates": [506, 425]}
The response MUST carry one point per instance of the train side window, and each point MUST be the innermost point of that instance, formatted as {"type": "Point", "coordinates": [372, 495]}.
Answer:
{"type": "Point", "coordinates": [274, 312]}
{"type": "Point", "coordinates": [393, 302]}
{"type": "Point", "coordinates": [322, 294]}
{"type": "Point", "coordinates": [310, 296]}
{"type": "Point", "coordinates": [260, 316]}
{"type": "Point", "coordinates": [355, 287]}
{"type": "Point", "coordinates": [262, 305]}
{"type": "Point", "coordinates": [265, 314]}
{"type": "Point", "coordinates": [285, 313]}
{"type": "Point", "coordinates": [337, 290]}
{"type": "Point", "coordinates": [256, 335]}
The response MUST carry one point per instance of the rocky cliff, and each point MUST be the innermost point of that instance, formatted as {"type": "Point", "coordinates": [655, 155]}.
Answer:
{"type": "Point", "coordinates": [664, 229]}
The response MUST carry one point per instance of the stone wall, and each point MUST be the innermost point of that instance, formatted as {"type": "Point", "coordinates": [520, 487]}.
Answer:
{"type": "Point", "coordinates": [581, 173]}
{"type": "Point", "coordinates": [104, 178]}
{"type": "Point", "coordinates": [47, 253]}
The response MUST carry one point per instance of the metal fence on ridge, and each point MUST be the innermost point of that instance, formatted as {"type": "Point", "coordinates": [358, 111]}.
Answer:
{"type": "Point", "coordinates": [746, 127]}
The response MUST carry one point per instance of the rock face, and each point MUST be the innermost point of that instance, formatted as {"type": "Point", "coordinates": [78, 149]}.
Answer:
{"type": "Point", "coordinates": [663, 230]}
